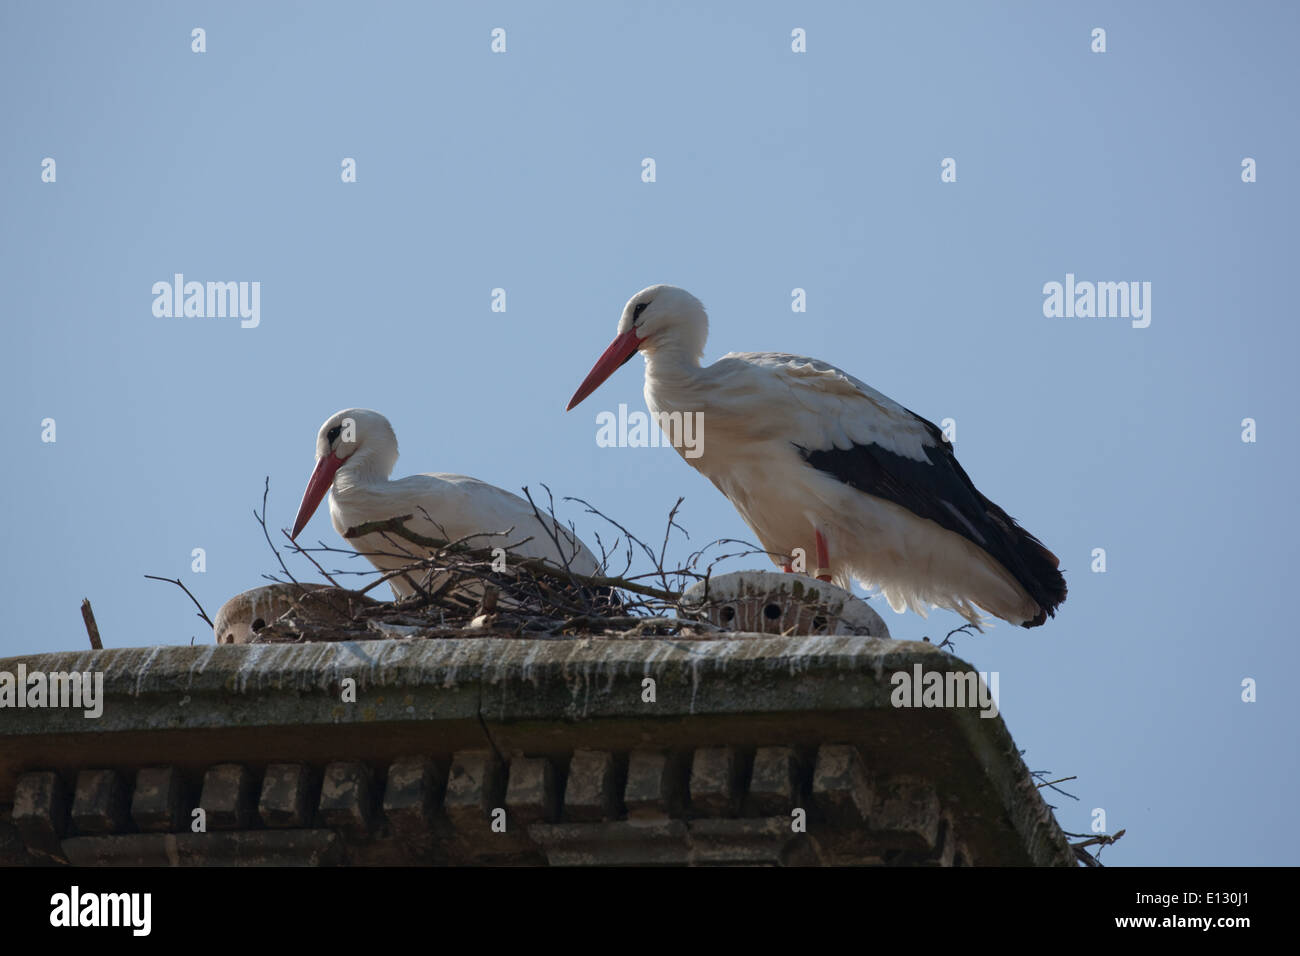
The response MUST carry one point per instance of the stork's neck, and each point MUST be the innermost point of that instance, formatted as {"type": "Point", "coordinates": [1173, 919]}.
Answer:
{"type": "Point", "coordinates": [366, 471]}
{"type": "Point", "coordinates": [671, 367]}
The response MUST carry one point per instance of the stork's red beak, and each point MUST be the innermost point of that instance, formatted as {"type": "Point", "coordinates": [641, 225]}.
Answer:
{"type": "Point", "coordinates": [320, 482]}
{"type": "Point", "coordinates": [617, 355]}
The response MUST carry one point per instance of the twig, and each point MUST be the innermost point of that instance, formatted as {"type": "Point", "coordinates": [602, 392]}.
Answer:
{"type": "Point", "coordinates": [1098, 839]}
{"type": "Point", "coordinates": [92, 628]}
{"type": "Point", "coordinates": [1039, 782]}
{"type": "Point", "coordinates": [177, 581]}
{"type": "Point", "coordinates": [536, 565]}
{"type": "Point", "coordinates": [552, 528]}
{"type": "Point", "coordinates": [416, 561]}
{"type": "Point", "coordinates": [299, 549]}
{"type": "Point", "coordinates": [963, 629]}
{"type": "Point", "coordinates": [261, 519]}
{"type": "Point", "coordinates": [1102, 840]}
{"type": "Point", "coordinates": [628, 535]}
{"type": "Point", "coordinates": [668, 530]}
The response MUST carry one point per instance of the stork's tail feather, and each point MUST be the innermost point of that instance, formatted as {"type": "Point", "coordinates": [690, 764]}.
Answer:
{"type": "Point", "coordinates": [1040, 576]}
{"type": "Point", "coordinates": [1035, 568]}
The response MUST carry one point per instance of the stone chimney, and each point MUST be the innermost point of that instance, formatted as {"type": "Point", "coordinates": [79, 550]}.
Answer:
{"type": "Point", "coordinates": [753, 749]}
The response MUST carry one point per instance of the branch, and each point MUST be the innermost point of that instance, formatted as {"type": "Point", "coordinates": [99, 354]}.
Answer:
{"type": "Point", "coordinates": [638, 624]}
{"type": "Point", "coordinates": [535, 565]}
{"type": "Point", "coordinates": [628, 535]}
{"type": "Point", "coordinates": [92, 628]}
{"type": "Point", "coordinates": [415, 560]}
{"type": "Point", "coordinates": [299, 549]}
{"type": "Point", "coordinates": [963, 629]}
{"type": "Point", "coordinates": [1040, 782]}
{"type": "Point", "coordinates": [261, 519]}
{"type": "Point", "coordinates": [668, 530]}
{"type": "Point", "coordinates": [1102, 839]}
{"type": "Point", "coordinates": [552, 528]}
{"type": "Point", "coordinates": [177, 581]}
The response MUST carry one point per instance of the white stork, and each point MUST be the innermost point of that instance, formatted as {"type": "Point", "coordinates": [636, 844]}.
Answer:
{"type": "Point", "coordinates": [356, 450]}
{"type": "Point", "coordinates": [814, 459]}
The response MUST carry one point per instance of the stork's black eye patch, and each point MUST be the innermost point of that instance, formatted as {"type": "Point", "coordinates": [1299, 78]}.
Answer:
{"type": "Point", "coordinates": [636, 312]}
{"type": "Point", "coordinates": [334, 433]}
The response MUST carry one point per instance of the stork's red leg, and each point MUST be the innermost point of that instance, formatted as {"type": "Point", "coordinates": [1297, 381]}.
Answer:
{"type": "Point", "coordinates": [787, 569]}
{"type": "Point", "coordinates": [823, 558]}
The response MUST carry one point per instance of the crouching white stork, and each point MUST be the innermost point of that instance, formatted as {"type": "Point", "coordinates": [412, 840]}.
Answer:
{"type": "Point", "coordinates": [356, 450]}
{"type": "Point", "coordinates": [814, 459]}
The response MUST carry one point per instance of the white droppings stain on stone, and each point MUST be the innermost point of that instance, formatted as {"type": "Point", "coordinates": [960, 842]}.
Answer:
{"type": "Point", "coordinates": [144, 669]}
{"type": "Point", "coordinates": [201, 662]}
{"type": "Point", "coordinates": [880, 667]}
{"type": "Point", "coordinates": [249, 667]}
{"type": "Point", "coordinates": [529, 673]}
{"type": "Point", "coordinates": [655, 659]}
{"type": "Point", "coordinates": [612, 673]}
{"type": "Point", "coordinates": [453, 670]}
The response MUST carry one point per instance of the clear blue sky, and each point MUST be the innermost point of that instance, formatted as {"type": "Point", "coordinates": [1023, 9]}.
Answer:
{"type": "Point", "coordinates": [775, 170]}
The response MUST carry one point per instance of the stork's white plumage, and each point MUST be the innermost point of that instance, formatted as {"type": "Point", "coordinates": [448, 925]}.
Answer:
{"type": "Point", "coordinates": [814, 459]}
{"type": "Point", "coordinates": [356, 450]}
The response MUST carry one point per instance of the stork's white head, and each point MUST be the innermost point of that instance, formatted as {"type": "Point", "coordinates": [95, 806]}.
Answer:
{"type": "Point", "coordinates": [661, 317]}
{"type": "Point", "coordinates": [358, 437]}
{"type": "Point", "coordinates": [666, 316]}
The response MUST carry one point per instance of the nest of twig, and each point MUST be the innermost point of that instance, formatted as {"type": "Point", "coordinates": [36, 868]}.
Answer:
{"type": "Point", "coordinates": [425, 617]}
{"type": "Point", "coordinates": [463, 586]}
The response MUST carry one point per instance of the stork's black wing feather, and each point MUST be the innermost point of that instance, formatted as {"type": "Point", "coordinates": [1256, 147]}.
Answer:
{"type": "Point", "coordinates": [940, 490]}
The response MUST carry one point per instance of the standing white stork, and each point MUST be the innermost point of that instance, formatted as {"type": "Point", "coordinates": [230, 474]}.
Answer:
{"type": "Point", "coordinates": [356, 450]}
{"type": "Point", "coordinates": [814, 459]}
